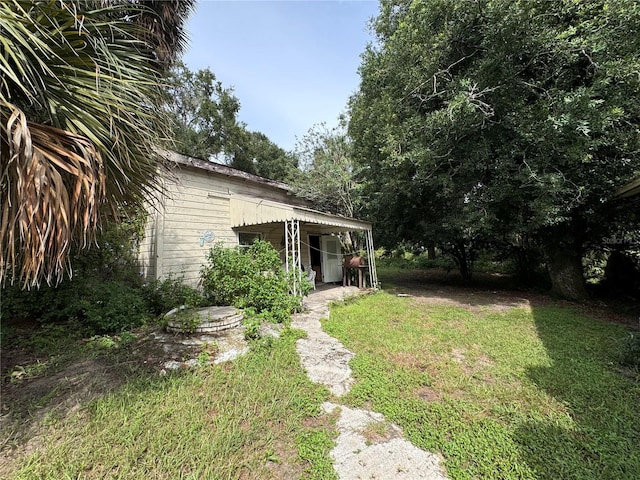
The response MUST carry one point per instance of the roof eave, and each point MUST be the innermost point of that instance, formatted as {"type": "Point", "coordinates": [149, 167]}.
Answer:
{"type": "Point", "coordinates": [221, 169]}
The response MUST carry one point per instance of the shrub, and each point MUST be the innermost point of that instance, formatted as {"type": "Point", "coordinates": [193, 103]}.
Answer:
{"type": "Point", "coordinates": [226, 277]}
{"type": "Point", "coordinates": [250, 278]}
{"type": "Point", "coordinates": [102, 306]}
{"type": "Point", "coordinates": [171, 292]}
{"type": "Point", "coordinates": [104, 293]}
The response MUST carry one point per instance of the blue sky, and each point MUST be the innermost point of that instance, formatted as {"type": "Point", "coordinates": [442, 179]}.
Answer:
{"type": "Point", "coordinates": [292, 64]}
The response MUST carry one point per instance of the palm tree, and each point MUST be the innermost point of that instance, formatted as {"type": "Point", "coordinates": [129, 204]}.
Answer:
{"type": "Point", "coordinates": [80, 90]}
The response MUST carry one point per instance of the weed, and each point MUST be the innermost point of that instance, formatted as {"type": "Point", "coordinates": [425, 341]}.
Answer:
{"type": "Point", "coordinates": [630, 351]}
{"type": "Point", "coordinates": [251, 322]}
{"type": "Point", "coordinates": [102, 342]}
{"type": "Point", "coordinates": [20, 373]}
{"type": "Point", "coordinates": [127, 338]}
{"type": "Point", "coordinates": [376, 431]}
{"type": "Point", "coordinates": [186, 319]}
{"type": "Point", "coordinates": [204, 358]}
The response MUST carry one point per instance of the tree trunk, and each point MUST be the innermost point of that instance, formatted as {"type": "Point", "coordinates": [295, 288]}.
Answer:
{"type": "Point", "coordinates": [565, 269]}
{"type": "Point", "coordinates": [431, 252]}
{"type": "Point", "coordinates": [463, 260]}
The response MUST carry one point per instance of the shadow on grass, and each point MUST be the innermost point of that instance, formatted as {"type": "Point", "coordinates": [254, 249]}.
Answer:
{"type": "Point", "coordinates": [597, 435]}
{"type": "Point", "coordinates": [600, 436]}
{"type": "Point", "coordinates": [485, 290]}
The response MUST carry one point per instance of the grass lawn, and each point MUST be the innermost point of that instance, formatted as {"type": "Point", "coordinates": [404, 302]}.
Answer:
{"type": "Point", "coordinates": [520, 392]}
{"type": "Point", "coordinates": [255, 418]}
{"type": "Point", "coordinates": [502, 387]}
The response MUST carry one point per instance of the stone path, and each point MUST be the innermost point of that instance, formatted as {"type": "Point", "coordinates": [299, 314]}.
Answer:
{"type": "Point", "coordinates": [367, 447]}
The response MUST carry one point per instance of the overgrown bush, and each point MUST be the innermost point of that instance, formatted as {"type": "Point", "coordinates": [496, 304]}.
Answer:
{"type": "Point", "coordinates": [163, 295]}
{"type": "Point", "coordinates": [251, 323]}
{"type": "Point", "coordinates": [112, 307]}
{"type": "Point", "coordinates": [250, 277]}
{"type": "Point", "coordinates": [102, 306]}
{"type": "Point", "coordinates": [104, 292]}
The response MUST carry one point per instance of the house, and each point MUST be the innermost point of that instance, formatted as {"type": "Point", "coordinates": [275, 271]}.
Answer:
{"type": "Point", "coordinates": [206, 202]}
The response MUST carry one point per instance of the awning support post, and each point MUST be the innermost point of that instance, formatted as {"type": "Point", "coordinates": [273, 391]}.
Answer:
{"type": "Point", "coordinates": [371, 258]}
{"type": "Point", "coordinates": [292, 252]}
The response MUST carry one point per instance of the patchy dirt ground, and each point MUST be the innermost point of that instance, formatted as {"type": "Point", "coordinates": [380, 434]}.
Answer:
{"type": "Point", "coordinates": [496, 292]}
{"type": "Point", "coordinates": [27, 401]}
{"type": "Point", "coordinates": [36, 388]}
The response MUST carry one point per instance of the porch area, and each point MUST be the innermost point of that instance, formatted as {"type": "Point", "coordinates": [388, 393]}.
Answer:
{"type": "Point", "coordinates": [307, 239]}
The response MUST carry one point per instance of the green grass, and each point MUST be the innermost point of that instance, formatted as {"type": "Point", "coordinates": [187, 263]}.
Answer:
{"type": "Point", "coordinates": [513, 393]}
{"type": "Point", "coordinates": [257, 417]}
{"type": "Point", "coordinates": [526, 393]}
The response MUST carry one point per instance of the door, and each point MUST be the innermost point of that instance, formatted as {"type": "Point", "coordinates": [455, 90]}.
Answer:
{"type": "Point", "coordinates": [331, 259]}
{"type": "Point", "coordinates": [315, 257]}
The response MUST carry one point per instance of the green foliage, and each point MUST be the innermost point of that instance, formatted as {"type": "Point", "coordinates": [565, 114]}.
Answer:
{"type": "Point", "coordinates": [411, 261]}
{"type": "Point", "coordinates": [101, 306]}
{"type": "Point", "coordinates": [171, 292]}
{"type": "Point", "coordinates": [104, 294]}
{"type": "Point", "coordinates": [314, 447]}
{"type": "Point", "coordinates": [255, 153]}
{"type": "Point", "coordinates": [630, 351]}
{"type": "Point", "coordinates": [109, 307]}
{"type": "Point", "coordinates": [484, 123]}
{"type": "Point", "coordinates": [186, 319]}
{"type": "Point", "coordinates": [205, 125]}
{"type": "Point", "coordinates": [328, 171]}
{"type": "Point", "coordinates": [203, 112]}
{"type": "Point", "coordinates": [20, 373]}
{"type": "Point", "coordinates": [594, 263]}
{"type": "Point", "coordinates": [251, 322]}
{"type": "Point", "coordinates": [485, 262]}
{"type": "Point", "coordinates": [250, 277]}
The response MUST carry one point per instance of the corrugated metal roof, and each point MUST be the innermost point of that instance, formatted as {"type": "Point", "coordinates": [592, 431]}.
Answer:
{"type": "Point", "coordinates": [246, 211]}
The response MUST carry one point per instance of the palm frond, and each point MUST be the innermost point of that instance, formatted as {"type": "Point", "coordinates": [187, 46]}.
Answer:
{"type": "Point", "coordinates": [52, 195]}
{"type": "Point", "coordinates": [80, 91]}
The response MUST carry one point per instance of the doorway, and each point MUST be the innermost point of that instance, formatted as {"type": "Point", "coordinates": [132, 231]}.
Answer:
{"type": "Point", "coordinates": [315, 257]}
{"type": "Point", "coordinates": [331, 254]}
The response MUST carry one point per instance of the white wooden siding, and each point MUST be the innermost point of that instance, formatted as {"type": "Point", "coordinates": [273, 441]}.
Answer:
{"type": "Point", "coordinates": [192, 211]}
{"type": "Point", "coordinates": [146, 249]}
{"type": "Point", "coordinates": [198, 201]}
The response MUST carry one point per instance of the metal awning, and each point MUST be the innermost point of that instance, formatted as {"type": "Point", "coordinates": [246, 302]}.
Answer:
{"type": "Point", "coordinates": [247, 211]}
{"type": "Point", "coordinates": [250, 211]}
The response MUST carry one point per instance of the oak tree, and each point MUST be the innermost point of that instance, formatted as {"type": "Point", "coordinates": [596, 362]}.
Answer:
{"type": "Point", "coordinates": [499, 120]}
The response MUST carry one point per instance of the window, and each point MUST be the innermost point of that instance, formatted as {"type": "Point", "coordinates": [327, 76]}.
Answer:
{"type": "Point", "coordinates": [245, 239]}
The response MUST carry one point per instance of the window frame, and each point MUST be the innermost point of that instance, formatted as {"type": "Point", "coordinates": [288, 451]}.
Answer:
{"type": "Point", "coordinates": [255, 235]}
